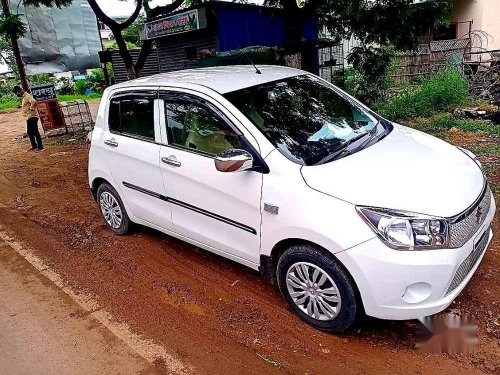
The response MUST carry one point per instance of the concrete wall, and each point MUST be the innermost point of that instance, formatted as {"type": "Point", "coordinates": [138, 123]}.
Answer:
{"type": "Point", "coordinates": [485, 15]}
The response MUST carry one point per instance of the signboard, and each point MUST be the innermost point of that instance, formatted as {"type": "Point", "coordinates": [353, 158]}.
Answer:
{"type": "Point", "coordinates": [48, 107]}
{"type": "Point", "coordinates": [178, 23]}
{"type": "Point", "coordinates": [43, 92]}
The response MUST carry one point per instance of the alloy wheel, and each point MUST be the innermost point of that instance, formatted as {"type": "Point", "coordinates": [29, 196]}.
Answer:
{"type": "Point", "coordinates": [111, 210]}
{"type": "Point", "coordinates": [313, 291]}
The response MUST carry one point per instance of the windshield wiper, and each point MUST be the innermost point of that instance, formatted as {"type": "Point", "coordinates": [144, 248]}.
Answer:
{"type": "Point", "coordinates": [343, 150]}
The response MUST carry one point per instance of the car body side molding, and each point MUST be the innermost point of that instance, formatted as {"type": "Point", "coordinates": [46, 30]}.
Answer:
{"type": "Point", "coordinates": [191, 207]}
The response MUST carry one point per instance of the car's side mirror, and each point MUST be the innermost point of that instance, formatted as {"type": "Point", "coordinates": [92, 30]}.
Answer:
{"type": "Point", "coordinates": [233, 160]}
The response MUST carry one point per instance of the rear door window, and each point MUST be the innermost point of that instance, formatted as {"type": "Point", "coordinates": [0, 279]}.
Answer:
{"type": "Point", "coordinates": [132, 114]}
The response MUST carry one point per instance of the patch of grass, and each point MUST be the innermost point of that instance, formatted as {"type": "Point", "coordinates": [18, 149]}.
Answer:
{"type": "Point", "coordinates": [438, 92]}
{"type": "Point", "coordinates": [484, 105]}
{"type": "Point", "coordinates": [5, 106]}
{"type": "Point", "coordinates": [8, 102]}
{"type": "Point", "coordinates": [443, 122]}
{"type": "Point", "coordinates": [70, 98]}
{"type": "Point", "coordinates": [493, 148]}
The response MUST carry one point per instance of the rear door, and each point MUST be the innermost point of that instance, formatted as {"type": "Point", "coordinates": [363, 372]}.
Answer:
{"type": "Point", "coordinates": [132, 140]}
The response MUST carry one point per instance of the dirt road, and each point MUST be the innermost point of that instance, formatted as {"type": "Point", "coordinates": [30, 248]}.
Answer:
{"type": "Point", "coordinates": [207, 312]}
{"type": "Point", "coordinates": [43, 331]}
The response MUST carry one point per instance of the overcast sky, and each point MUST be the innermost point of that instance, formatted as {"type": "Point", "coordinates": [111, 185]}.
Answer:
{"type": "Point", "coordinates": [118, 8]}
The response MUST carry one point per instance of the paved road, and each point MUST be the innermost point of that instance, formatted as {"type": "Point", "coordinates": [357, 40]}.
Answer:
{"type": "Point", "coordinates": [43, 331]}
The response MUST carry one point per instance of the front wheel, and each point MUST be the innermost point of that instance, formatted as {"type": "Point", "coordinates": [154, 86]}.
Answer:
{"type": "Point", "coordinates": [317, 289]}
{"type": "Point", "coordinates": [112, 209]}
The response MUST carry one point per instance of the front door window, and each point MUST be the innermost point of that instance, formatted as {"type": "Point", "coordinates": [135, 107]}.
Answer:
{"type": "Point", "coordinates": [197, 128]}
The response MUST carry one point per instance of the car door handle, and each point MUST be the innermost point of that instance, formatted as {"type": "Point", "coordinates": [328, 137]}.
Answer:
{"type": "Point", "coordinates": [111, 142]}
{"type": "Point", "coordinates": [170, 161]}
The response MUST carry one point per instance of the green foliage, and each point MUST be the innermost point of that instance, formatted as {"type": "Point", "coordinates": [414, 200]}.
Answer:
{"type": "Point", "coordinates": [131, 33]}
{"type": "Point", "coordinates": [8, 97]}
{"type": "Point", "coordinates": [70, 98]}
{"type": "Point", "coordinates": [400, 23]}
{"type": "Point", "coordinates": [9, 102]}
{"type": "Point", "coordinates": [114, 45]}
{"type": "Point", "coordinates": [370, 77]}
{"type": "Point", "coordinates": [65, 86]}
{"type": "Point", "coordinates": [41, 79]}
{"type": "Point", "coordinates": [488, 149]}
{"type": "Point", "coordinates": [81, 86]}
{"type": "Point", "coordinates": [379, 26]}
{"type": "Point", "coordinates": [12, 26]}
{"type": "Point", "coordinates": [95, 81]}
{"type": "Point", "coordinates": [436, 93]}
{"type": "Point", "coordinates": [444, 121]}
{"type": "Point", "coordinates": [6, 88]}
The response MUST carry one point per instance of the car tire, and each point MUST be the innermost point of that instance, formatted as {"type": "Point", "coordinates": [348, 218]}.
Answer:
{"type": "Point", "coordinates": [330, 301]}
{"type": "Point", "coordinates": [112, 209]}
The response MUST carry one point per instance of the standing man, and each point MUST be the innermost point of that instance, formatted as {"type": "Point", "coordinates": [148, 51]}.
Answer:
{"type": "Point", "coordinates": [28, 107]}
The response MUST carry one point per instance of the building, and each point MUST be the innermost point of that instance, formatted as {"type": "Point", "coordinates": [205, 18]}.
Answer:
{"type": "Point", "coordinates": [106, 34]}
{"type": "Point", "coordinates": [474, 15]}
{"type": "Point", "coordinates": [215, 32]}
{"type": "Point", "coordinates": [185, 37]}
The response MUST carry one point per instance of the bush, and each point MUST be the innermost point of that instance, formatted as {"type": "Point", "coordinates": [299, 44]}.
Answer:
{"type": "Point", "coordinates": [65, 86]}
{"type": "Point", "coordinates": [81, 86]}
{"type": "Point", "coordinates": [436, 93]}
{"type": "Point", "coordinates": [41, 79]}
{"type": "Point", "coordinates": [95, 81]}
{"type": "Point", "coordinates": [369, 78]}
{"type": "Point", "coordinates": [6, 87]}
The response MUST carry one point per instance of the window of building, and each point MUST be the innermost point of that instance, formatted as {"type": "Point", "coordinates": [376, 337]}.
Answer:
{"type": "Point", "coordinates": [445, 32]}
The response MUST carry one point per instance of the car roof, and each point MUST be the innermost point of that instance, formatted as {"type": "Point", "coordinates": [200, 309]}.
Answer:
{"type": "Point", "coordinates": [222, 79]}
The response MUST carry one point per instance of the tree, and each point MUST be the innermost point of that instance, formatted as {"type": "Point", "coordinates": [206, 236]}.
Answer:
{"type": "Point", "coordinates": [12, 28]}
{"type": "Point", "coordinates": [397, 22]}
{"type": "Point", "coordinates": [6, 54]}
{"type": "Point", "coordinates": [118, 29]}
{"type": "Point", "coordinates": [380, 26]}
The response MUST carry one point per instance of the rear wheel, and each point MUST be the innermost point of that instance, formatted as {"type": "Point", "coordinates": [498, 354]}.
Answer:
{"type": "Point", "coordinates": [318, 289]}
{"type": "Point", "coordinates": [112, 209]}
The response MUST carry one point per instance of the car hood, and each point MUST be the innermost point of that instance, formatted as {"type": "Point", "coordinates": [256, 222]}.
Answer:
{"type": "Point", "coordinates": [407, 170]}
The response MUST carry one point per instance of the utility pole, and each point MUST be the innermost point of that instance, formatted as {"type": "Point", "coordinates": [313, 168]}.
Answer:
{"type": "Point", "coordinates": [15, 50]}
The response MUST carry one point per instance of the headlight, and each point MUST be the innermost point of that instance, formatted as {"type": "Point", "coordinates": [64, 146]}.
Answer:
{"type": "Point", "coordinates": [403, 230]}
{"type": "Point", "coordinates": [471, 155]}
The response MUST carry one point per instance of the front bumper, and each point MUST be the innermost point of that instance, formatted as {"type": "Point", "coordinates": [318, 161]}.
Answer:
{"type": "Point", "coordinates": [403, 285]}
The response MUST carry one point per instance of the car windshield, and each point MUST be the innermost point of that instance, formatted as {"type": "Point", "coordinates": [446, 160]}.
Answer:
{"type": "Point", "coordinates": [305, 118]}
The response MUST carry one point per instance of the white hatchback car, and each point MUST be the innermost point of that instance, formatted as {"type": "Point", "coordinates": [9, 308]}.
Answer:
{"type": "Point", "coordinates": [285, 173]}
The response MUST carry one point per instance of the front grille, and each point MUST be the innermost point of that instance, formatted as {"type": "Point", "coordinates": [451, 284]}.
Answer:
{"type": "Point", "coordinates": [466, 225]}
{"type": "Point", "coordinates": [468, 264]}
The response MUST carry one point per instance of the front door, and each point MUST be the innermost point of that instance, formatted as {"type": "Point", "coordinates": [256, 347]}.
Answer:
{"type": "Point", "coordinates": [132, 141]}
{"type": "Point", "coordinates": [221, 210]}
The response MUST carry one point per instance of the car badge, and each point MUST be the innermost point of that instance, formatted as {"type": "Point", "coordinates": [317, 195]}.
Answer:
{"type": "Point", "coordinates": [271, 208]}
{"type": "Point", "coordinates": [479, 214]}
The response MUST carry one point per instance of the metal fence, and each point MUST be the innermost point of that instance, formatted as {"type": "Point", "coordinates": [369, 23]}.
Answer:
{"type": "Point", "coordinates": [429, 58]}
